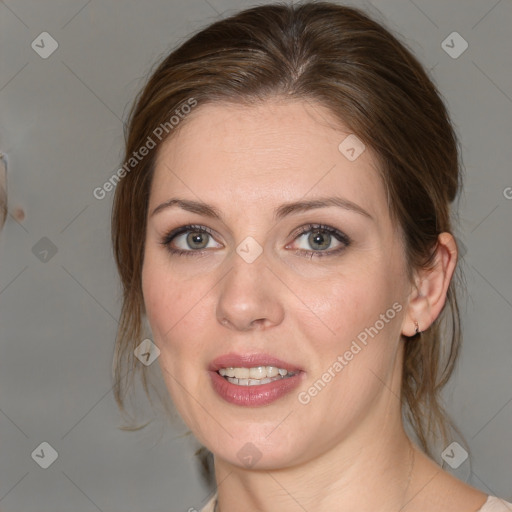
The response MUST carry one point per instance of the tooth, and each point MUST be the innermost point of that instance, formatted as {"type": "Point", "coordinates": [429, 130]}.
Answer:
{"type": "Point", "coordinates": [259, 372]}
{"type": "Point", "coordinates": [272, 371]}
{"type": "Point", "coordinates": [242, 373]}
{"type": "Point", "coordinates": [253, 382]}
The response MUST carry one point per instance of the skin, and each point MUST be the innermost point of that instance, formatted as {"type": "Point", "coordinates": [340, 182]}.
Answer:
{"type": "Point", "coordinates": [325, 455]}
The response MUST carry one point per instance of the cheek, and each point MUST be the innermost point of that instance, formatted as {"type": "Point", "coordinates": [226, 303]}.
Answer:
{"type": "Point", "coordinates": [344, 304]}
{"type": "Point", "coordinates": [357, 341]}
{"type": "Point", "coordinates": [175, 307]}
{"type": "Point", "coordinates": [156, 290]}
{"type": "Point", "coordinates": [358, 336]}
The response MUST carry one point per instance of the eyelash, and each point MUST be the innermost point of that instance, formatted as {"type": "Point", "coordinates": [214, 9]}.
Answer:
{"type": "Point", "coordinates": [341, 237]}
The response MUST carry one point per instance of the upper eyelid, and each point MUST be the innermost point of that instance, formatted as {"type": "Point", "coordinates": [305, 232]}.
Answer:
{"type": "Point", "coordinates": [188, 228]}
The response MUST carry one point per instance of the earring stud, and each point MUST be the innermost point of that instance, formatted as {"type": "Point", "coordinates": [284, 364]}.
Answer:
{"type": "Point", "coordinates": [416, 327]}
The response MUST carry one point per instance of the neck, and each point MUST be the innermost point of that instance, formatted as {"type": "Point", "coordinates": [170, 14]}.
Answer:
{"type": "Point", "coordinates": [374, 474]}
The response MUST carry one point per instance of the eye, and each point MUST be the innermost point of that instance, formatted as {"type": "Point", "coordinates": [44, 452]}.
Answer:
{"type": "Point", "coordinates": [189, 240]}
{"type": "Point", "coordinates": [316, 239]}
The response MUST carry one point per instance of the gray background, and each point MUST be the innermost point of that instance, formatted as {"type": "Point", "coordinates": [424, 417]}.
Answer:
{"type": "Point", "coordinates": [61, 129]}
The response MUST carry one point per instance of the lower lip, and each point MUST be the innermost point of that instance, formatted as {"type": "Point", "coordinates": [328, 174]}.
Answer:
{"type": "Point", "coordinates": [253, 396]}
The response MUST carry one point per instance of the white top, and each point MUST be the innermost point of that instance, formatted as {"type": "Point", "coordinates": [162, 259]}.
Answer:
{"type": "Point", "coordinates": [210, 506]}
{"type": "Point", "coordinates": [493, 504]}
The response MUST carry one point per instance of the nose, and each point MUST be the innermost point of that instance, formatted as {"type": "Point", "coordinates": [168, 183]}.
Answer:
{"type": "Point", "coordinates": [250, 296]}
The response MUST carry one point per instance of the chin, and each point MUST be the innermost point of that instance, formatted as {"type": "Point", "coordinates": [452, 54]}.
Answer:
{"type": "Point", "coordinates": [256, 449]}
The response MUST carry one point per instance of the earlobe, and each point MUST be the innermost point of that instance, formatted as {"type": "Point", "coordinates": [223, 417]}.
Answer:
{"type": "Point", "coordinates": [428, 296]}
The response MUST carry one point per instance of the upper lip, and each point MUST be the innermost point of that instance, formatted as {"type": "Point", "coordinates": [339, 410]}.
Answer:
{"type": "Point", "coordinates": [233, 360]}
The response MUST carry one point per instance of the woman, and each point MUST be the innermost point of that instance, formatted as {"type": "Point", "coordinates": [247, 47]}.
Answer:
{"type": "Point", "coordinates": [284, 227]}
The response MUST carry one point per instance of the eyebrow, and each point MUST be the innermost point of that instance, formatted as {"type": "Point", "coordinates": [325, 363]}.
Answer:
{"type": "Point", "coordinates": [282, 211]}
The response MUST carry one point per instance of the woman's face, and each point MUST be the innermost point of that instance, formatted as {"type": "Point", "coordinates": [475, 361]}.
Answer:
{"type": "Point", "coordinates": [265, 286]}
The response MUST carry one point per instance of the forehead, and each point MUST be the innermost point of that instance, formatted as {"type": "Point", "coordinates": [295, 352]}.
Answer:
{"type": "Point", "coordinates": [234, 155]}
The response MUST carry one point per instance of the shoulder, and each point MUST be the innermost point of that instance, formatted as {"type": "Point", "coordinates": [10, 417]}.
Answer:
{"type": "Point", "coordinates": [433, 488]}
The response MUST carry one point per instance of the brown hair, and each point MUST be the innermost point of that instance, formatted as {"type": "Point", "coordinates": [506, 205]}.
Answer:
{"type": "Point", "coordinates": [338, 57]}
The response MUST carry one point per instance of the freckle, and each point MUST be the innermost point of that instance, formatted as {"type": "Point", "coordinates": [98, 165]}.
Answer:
{"type": "Point", "coordinates": [19, 214]}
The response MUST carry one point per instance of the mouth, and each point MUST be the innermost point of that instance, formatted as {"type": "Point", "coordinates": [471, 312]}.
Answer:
{"type": "Point", "coordinates": [253, 379]}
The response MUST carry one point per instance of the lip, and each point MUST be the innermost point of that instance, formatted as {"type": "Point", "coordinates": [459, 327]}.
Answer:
{"type": "Point", "coordinates": [254, 396]}
{"type": "Point", "coordinates": [233, 360]}
{"type": "Point", "coordinates": [260, 394]}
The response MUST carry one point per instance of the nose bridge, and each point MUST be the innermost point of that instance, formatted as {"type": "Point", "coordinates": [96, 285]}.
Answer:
{"type": "Point", "coordinates": [248, 293]}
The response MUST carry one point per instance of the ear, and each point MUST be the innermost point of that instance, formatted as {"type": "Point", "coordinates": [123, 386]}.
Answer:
{"type": "Point", "coordinates": [429, 293]}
